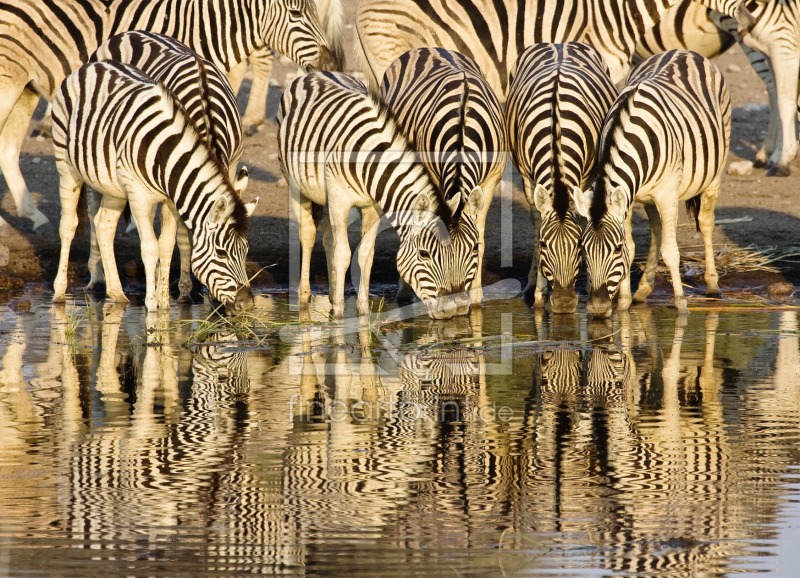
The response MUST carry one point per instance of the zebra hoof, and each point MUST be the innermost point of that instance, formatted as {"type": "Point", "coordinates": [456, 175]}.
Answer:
{"type": "Point", "coordinates": [759, 163]}
{"type": "Point", "coordinates": [714, 294]}
{"type": "Point", "coordinates": [779, 170]}
{"type": "Point", "coordinates": [252, 129]}
{"type": "Point", "coordinates": [42, 229]}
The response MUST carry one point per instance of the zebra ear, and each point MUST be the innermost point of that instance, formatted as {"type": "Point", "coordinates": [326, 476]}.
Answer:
{"type": "Point", "coordinates": [618, 204]}
{"type": "Point", "coordinates": [474, 204]}
{"type": "Point", "coordinates": [251, 207]}
{"type": "Point", "coordinates": [219, 211]}
{"type": "Point", "coordinates": [582, 200]}
{"type": "Point", "coordinates": [542, 199]}
{"type": "Point", "coordinates": [240, 184]}
{"type": "Point", "coordinates": [422, 206]}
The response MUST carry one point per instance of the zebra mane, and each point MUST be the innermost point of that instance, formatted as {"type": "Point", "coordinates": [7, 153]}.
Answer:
{"type": "Point", "coordinates": [458, 176]}
{"type": "Point", "coordinates": [560, 191]}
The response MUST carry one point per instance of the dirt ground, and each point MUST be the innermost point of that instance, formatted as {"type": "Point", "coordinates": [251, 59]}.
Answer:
{"type": "Point", "coordinates": [753, 211]}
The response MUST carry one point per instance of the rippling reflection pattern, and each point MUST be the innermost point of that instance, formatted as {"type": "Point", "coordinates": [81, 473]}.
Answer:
{"type": "Point", "coordinates": [643, 445]}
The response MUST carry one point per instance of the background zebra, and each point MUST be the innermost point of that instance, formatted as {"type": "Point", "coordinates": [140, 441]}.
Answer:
{"type": "Point", "coordinates": [356, 157]}
{"type": "Point", "coordinates": [557, 101]}
{"type": "Point", "coordinates": [444, 106]}
{"type": "Point", "coordinates": [331, 15]}
{"type": "Point", "coordinates": [208, 101]}
{"type": "Point", "coordinates": [774, 36]}
{"type": "Point", "coordinates": [495, 32]}
{"type": "Point", "coordinates": [42, 41]}
{"type": "Point", "coordinates": [665, 140]}
{"type": "Point", "coordinates": [125, 135]}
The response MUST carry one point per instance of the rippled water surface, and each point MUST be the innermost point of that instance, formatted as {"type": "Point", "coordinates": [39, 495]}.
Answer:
{"type": "Point", "coordinates": [504, 444]}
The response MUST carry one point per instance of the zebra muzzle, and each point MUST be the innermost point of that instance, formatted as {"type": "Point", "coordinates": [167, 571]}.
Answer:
{"type": "Point", "coordinates": [326, 61]}
{"type": "Point", "coordinates": [242, 302]}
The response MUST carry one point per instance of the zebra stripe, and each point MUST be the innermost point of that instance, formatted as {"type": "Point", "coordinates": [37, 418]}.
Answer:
{"type": "Point", "coordinates": [665, 140]}
{"type": "Point", "coordinates": [494, 32]}
{"type": "Point", "coordinates": [444, 106]}
{"type": "Point", "coordinates": [557, 101]}
{"type": "Point", "coordinates": [125, 135]}
{"type": "Point", "coordinates": [43, 41]}
{"type": "Point", "coordinates": [339, 146]}
{"type": "Point", "coordinates": [208, 101]}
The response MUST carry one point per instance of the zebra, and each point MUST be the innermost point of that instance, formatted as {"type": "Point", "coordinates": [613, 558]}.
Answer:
{"type": "Point", "coordinates": [665, 140]}
{"type": "Point", "coordinates": [772, 46]}
{"type": "Point", "coordinates": [448, 112]}
{"type": "Point", "coordinates": [109, 110]}
{"type": "Point", "coordinates": [208, 100]}
{"type": "Point", "coordinates": [331, 15]}
{"type": "Point", "coordinates": [43, 41]}
{"type": "Point", "coordinates": [495, 32]}
{"type": "Point", "coordinates": [356, 157]}
{"type": "Point", "coordinates": [558, 97]}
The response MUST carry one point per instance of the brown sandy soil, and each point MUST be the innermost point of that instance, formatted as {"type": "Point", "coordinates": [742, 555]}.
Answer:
{"type": "Point", "coordinates": [771, 203]}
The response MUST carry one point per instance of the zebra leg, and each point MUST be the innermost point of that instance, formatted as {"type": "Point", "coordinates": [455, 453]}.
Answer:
{"type": "Point", "coordinates": [370, 220]}
{"type": "Point", "coordinates": [69, 191]}
{"type": "Point", "coordinates": [184, 241]}
{"type": "Point", "coordinates": [705, 220]}
{"type": "Point", "coordinates": [303, 212]}
{"type": "Point", "coordinates": [105, 226]}
{"type": "Point", "coordinates": [786, 83]}
{"type": "Point", "coordinates": [648, 280]}
{"type": "Point", "coordinates": [338, 252]}
{"type": "Point", "coordinates": [624, 300]}
{"type": "Point", "coordinates": [537, 283]}
{"type": "Point", "coordinates": [261, 64]}
{"type": "Point", "coordinates": [672, 257]}
{"type": "Point", "coordinates": [488, 188]}
{"type": "Point", "coordinates": [96, 273]}
{"type": "Point", "coordinates": [769, 145]}
{"type": "Point", "coordinates": [143, 210]}
{"type": "Point", "coordinates": [16, 112]}
{"type": "Point", "coordinates": [166, 246]}
{"type": "Point", "coordinates": [236, 75]}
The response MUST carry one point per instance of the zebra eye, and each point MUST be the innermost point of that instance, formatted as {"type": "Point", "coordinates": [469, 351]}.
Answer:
{"type": "Point", "coordinates": [222, 253]}
{"type": "Point", "coordinates": [424, 254]}
{"type": "Point", "coordinates": [619, 249]}
{"type": "Point", "coordinates": [476, 248]}
{"type": "Point", "coordinates": [295, 14]}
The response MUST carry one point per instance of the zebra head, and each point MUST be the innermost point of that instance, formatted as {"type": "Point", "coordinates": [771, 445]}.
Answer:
{"type": "Point", "coordinates": [604, 249]}
{"type": "Point", "coordinates": [439, 261]}
{"type": "Point", "coordinates": [219, 252]}
{"type": "Point", "coordinates": [559, 253]}
{"type": "Point", "coordinates": [292, 27]}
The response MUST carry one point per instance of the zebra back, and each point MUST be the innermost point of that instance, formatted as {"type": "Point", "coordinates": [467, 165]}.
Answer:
{"type": "Point", "coordinates": [196, 83]}
{"type": "Point", "coordinates": [674, 113]}
{"type": "Point", "coordinates": [443, 104]}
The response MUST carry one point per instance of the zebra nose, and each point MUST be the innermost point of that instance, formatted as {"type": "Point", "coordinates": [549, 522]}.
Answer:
{"type": "Point", "coordinates": [599, 304]}
{"type": "Point", "coordinates": [242, 301]}
{"type": "Point", "coordinates": [563, 299]}
{"type": "Point", "coordinates": [327, 60]}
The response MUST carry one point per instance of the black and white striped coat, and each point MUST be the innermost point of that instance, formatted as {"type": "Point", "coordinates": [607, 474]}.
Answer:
{"type": "Point", "coordinates": [340, 147]}
{"type": "Point", "coordinates": [125, 135]}
{"type": "Point", "coordinates": [444, 106]}
{"type": "Point", "coordinates": [664, 141]}
{"type": "Point", "coordinates": [43, 41]}
{"type": "Point", "coordinates": [557, 101]}
{"type": "Point", "coordinates": [206, 97]}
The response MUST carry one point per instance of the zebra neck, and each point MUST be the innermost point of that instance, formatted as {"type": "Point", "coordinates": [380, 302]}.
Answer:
{"type": "Point", "coordinates": [194, 204]}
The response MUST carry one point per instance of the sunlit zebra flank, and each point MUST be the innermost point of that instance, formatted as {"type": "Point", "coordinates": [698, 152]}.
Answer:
{"type": "Point", "coordinates": [207, 99]}
{"type": "Point", "coordinates": [340, 147]}
{"type": "Point", "coordinates": [124, 134]}
{"type": "Point", "coordinates": [557, 101]}
{"type": "Point", "coordinates": [43, 41]}
{"type": "Point", "coordinates": [664, 141]}
{"type": "Point", "coordinates": [444, 106]}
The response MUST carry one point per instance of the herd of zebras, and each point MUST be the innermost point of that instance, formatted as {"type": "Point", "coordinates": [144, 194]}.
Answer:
{"type": "Point", "coordinates": [143, 114]}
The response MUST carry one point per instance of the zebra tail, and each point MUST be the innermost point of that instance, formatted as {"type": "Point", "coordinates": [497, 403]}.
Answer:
{"type": "Point", "coordinates": [693, 208]}
{"type": "Point", "coordinates": [331, 13]}
{"type": "Point", "coordinates": [363, 63]}
{"type": "Point", "coordinates": [83, 210]}
{"type": "Point", "coordinates": [316, 213]}
{"type": "Point", "coordinates": [202, 80]}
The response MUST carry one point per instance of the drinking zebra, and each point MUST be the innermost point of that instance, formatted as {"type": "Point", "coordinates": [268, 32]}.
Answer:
{"type": "Point", "coordinates": [448, 112]}
{"type": "Point", "coordinates": [665, 140]}
{"type": "Point", "coordinates": [494, 32]}
{"type": "Point", "coordinates": [331, 16]}
{"type": "Point", "coordinates": [557, 100]}
{"type": "Point", "coordinates": [60, 35]}
{"type": "Point", "coordinates": [355, 156]}
{"type": "Point", "coordinates": [124, 134]}
{"type": "Point", "coordinates": [208, 101]}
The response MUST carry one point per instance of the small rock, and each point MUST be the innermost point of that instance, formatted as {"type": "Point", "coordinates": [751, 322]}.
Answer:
{"type": "Point", "coordinates": [281, 182]}
{"type": "Point", "coordinates": [740, 168]}
{"type": "Point", "coordinates": [20, 305]}
{"type": "Point", "coordinates": [780, 290]}
{"type": "Point", "coordinates": [733, 68]}
{"type": "Point", "coordinates": [752, 107]}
